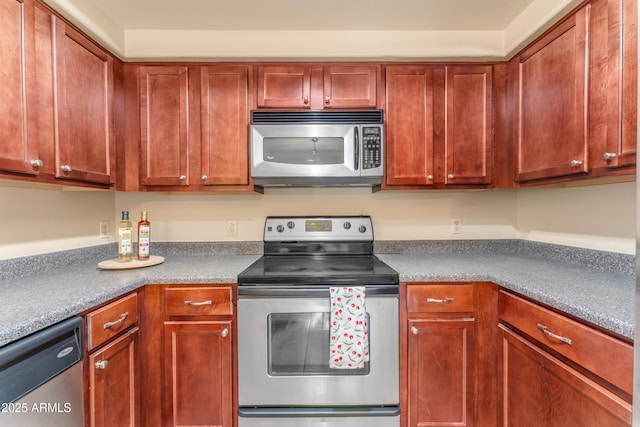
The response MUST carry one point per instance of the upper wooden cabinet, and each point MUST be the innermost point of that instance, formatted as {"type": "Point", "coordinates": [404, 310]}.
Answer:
{"type": "Point", "coordinates": [317, 87]}
{"type": "Point", "coordinates": [409, 125]}
{"type": "Point", "coordinates": [164, 135]}
{"type": "Point", "coordinates": [439, 125]}
{"type": "Point", "coordinates": [18, 143]}
{"type": "Point", "coordinates": [193, 127]}
{"type": "Point", "coordinates": [224, 106]}
{"type": "Point", "coordinates": [469, 125]}
{"type": "Point", "coordinates": [84, 132]}
{"type": "Point", "coordinates": [551, 102]}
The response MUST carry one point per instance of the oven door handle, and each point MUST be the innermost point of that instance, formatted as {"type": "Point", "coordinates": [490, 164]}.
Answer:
{"type": "Point", "coordinates": [301, 291]}
{"type": "Point", "coordinates": [352, 411]}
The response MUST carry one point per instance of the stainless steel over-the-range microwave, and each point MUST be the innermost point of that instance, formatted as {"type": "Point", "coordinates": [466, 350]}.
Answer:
{"type": "Point", "coordinates": [317, 148]}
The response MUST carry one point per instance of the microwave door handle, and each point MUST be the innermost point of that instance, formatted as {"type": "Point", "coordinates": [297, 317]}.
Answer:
{"type": "Point", "coordinates": [357, 147]}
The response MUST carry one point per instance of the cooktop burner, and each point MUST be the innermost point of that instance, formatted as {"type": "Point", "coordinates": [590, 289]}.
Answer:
{"type": "Point", "coordinates": [318, 251]}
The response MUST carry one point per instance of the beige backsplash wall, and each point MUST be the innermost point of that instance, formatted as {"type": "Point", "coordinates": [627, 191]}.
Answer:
{"type": "Point", "coordinates": [601, 217]}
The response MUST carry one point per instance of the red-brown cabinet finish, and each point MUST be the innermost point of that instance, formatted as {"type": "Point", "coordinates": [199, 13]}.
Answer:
{"type": "Point", "coordinates": [18, 142]}
{"type": "Point", "coordinates": [622, 83]}
{"type": "Point", "coordinates": [350, 86]}
{"type": "Point", "coordinates": [551, 103]}
{"type": "Point", "coordinates": [113, 383]}
{"type": "Point", "coordinates": [469, 126]}
{"type": "Point", "coordinates": [164, 136]}
{"type": "Point", "coordinates": [84, 135]}
{"type": "Point", "coordinates": [409, 125]}
{"type": "Point", "coordinates": [286, 86]}
{"type": "Point", "coordinates": [198, 373]}
{"type": "Point", "coordinates": [539, 390]}
{"type": "Point", "coordinates": [224, 104]}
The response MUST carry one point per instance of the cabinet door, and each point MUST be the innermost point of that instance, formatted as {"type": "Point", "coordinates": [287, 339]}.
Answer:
{"type": "Point", "coordinates": [197, 384]}
{"type": "Point", "coordinates": [163, 125]}
{"type": "Point", "coordinates": [539, 390]}
{"type": "Point", "coordinates": [551, 110]}
{"type": "Point", "coordinates": [84, 137]}
{"type": "Point", "coordinates": [468, 146]}
{"type": "Point", "coordinates": [284, 86]}
{"type": "Point", "coordinates": [441, 372]}
{"type": "Point", "coordinates": [350, 86]}
{"type": "Point", "coordinates": [113, 383]}
{"type": "Point", "coordinates": [224, 122]}
{"type": "Point", "coordinates": [409, 127]}
{"type": "Point", "coordinates": [622, 83]}
{"type": "Point", "coordinates": [18, 146]}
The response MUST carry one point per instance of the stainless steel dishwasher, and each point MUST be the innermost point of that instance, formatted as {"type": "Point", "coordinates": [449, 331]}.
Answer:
{"type": "Point", "coordinates": [41, 378]}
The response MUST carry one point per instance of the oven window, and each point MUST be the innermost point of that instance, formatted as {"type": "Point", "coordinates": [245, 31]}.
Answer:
{"type": "Point", "coordinates": [304, 151]}
{"type": "Point", "coordinates": [298, 345]}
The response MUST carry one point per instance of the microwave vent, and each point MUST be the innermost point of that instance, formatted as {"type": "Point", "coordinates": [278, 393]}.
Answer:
{"type": "Point", "coordinates": [329, 117]}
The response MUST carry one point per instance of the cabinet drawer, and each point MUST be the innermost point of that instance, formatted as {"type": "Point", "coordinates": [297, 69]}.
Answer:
{"type": "Point", "coordinates": [108, 321]}
{"type": "Point", "coordinates": [198, 301]}
{"type": "Point", "coordinates": [605, 356]}
{"type": "Point", "coordinates": [423, 298]}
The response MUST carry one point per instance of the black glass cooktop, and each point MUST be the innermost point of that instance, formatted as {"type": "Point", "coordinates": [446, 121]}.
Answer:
{"type": "Point", "coordinates": [355, 270]}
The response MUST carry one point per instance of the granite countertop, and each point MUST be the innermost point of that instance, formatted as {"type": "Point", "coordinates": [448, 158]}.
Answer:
{"type": "Point", "coordinates": [40, 291]}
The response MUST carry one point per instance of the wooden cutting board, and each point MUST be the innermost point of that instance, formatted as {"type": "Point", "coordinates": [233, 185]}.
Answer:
{"type": "Point", "coordinates": [113, 264]}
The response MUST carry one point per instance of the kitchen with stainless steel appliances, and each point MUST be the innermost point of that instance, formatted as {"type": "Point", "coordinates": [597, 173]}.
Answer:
{"type": "Point", "coordinates": [295, 341]}
{"type": "Point", "coordinates": [313, 148]}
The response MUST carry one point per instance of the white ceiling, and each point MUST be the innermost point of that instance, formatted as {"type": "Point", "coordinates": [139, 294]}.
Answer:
{"type": "Point", "coordinates": [312, 29]}
{"type": "Point", "coordinates": [322, 15]}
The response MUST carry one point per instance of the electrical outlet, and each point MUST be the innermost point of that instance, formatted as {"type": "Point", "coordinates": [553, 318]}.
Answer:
{"type": "Point", "coordinates": [104, 229]}
{"type": "Point", "coordinates": [456, 225]}
{"type": "Point", "coordinates": [232, 228]}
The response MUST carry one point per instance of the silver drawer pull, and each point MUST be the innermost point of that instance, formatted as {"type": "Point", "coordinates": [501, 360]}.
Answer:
{"type": "Point", "coordinates": [207, 302]}
{"type": "Point", "coordinates": [414, 330]}
{"type": "Point", "coordinates": [224, 332]}
{"type": "Point", "coordinates": [101, 364]}
{"type": "Point", "coordinates": [441, 301]}
{"type": "Point", "coordinates": [116, 322]}
{"type": "Point", "coordinates": [552, 335]}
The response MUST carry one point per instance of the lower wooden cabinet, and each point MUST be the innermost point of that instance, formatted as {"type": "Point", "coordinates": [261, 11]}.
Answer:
{"type": "Point", "coordinates": [197, 373]}
{"type": "Point", "coordinates": [113, 383]}
{"type": "Point", "coordinates": [448, 338]}
{"type": "Point", "coordinates": [540, 390]}
{"type": "Point", "coordinates": [112, 364]}
{"type": "Point", "coordinates": [188, 342]}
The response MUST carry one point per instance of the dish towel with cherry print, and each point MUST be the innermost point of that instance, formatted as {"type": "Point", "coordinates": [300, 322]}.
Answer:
{"type": "Point", "coordinates": [349, 346]}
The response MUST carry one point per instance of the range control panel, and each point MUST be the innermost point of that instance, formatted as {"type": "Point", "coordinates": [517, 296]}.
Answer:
{"type": "Point", "coordinates": [342, 228]}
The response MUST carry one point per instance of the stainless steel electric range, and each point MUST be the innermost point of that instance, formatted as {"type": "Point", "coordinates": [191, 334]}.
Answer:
{"type": "Point", "coordinates": [288, 369]}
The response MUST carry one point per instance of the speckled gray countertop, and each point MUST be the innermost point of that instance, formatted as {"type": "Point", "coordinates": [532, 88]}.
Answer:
{"type": "Point", "coordinates": [595, 286]}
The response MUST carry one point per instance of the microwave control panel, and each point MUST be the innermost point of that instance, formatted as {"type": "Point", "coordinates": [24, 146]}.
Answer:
{"type": "Point", "coordinates": [371, 147]}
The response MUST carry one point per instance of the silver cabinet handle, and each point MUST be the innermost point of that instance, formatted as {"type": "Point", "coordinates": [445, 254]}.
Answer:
{"type": "Point", "coordinates": [451, 176]}
{"type": "Point", "coordinates": [204, 177]}
{"type": "Point", "coordinates": [430, 177]}
{"type": "Point", "coordinates": [66, 168]}
{"type": "Point", "coordinates": [101, 364]}
{"type": "Point", "coordinates": [306, 99]}
{"type": "Point", "coordinates": [37, 163]}
{"type": "Point", "coordinates": [116, 322]}
{"type": "Point", "coordinates": [576, 163]}
{"type": "Point", "coordinates": [414, 330]}
{"type": "Point", "coordinates": [548, 333]}
{"type": "Point", "coordinates": [196, 303]}
{"type": "Point", "coordinates": [327, 100]}
{"type": "Point", "coordinates": [183, 177]}
{"type": "Point", "coordinates": [224, 332]}
{"type": "Point", "coordinates": [441, 301]}
{"type": "Point", "coordinates": [609, 156]}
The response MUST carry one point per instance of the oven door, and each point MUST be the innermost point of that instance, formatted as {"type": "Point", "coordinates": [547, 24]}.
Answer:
{"type": "Point", "coordinates": [305, 150]}
{"type": "Point", "coordinates": [283, 352]}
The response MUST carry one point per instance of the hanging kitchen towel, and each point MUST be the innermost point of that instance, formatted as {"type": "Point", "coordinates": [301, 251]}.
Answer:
{"type": "Point", "coordinates": [349, 346]}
